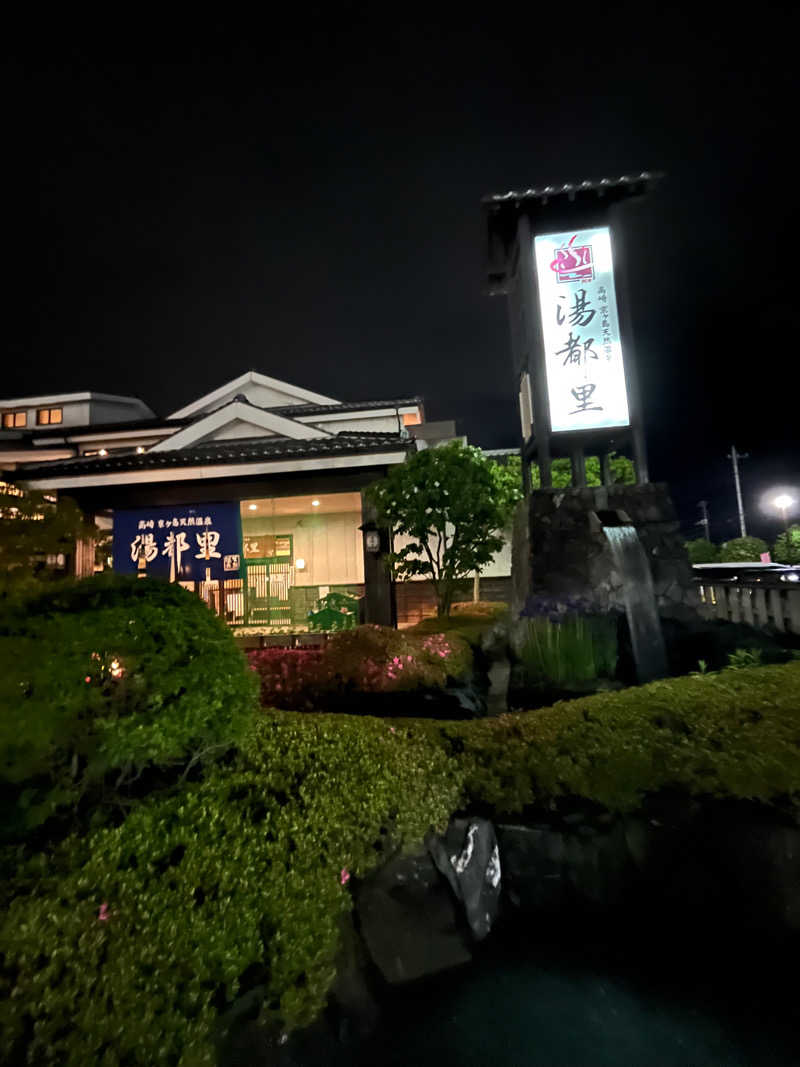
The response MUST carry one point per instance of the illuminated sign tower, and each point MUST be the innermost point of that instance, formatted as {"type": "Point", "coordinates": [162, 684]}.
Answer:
{"type": "Point", "coordinates": [553, 253]}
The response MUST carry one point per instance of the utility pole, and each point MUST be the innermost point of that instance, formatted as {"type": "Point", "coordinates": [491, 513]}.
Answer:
{"type": "Point", "coordinates": [703, 505]}
{"type": "Point", "coordinates": [734, 457]}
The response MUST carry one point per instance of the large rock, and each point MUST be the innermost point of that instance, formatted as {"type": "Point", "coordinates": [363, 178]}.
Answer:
{"type": "Point", "coordinates": [547, 869]}
{"type": "Point", "coordinates": [409, 920]}
{"type": "Point", "coordinates": [352, 1001]}
{"type": "Point", "coordinates": [762, 858]}
{"type": "Point", "coordinates": [468, 857]}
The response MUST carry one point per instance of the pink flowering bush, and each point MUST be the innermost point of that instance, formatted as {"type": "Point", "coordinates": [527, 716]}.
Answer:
{"type": "Point", "coordinates": [286, 675]}
{"type": "Point", "coordinates": [369, 659]}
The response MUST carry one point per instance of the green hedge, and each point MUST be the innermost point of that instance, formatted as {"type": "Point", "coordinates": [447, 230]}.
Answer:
{"type": "Point", "coordinates": [735, 733]}
{"type": "Point", "coordinates": [104, 680]}
{"type": "Point", "coordinates": [229, 892]}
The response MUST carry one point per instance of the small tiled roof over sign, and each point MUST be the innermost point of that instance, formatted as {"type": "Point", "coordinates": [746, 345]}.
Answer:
{"type": "Point", "coordinates": [223, 452]}
{"type": "Point", "coordinates": [549, 208]}
{"type": "Point", "coordinates": [569, 190]}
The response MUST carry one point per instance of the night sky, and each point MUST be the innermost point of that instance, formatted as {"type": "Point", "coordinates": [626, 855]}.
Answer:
{"type": "Point", "coordinates": [184, 205]}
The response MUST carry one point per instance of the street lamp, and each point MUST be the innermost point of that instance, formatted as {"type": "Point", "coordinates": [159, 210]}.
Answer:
{"type": "Point", "coordinates": [783, 502]}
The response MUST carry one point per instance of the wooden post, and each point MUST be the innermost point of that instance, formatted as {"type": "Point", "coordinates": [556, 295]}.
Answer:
{"type": "Point", "coordinates": [605, 462]}
{"type": "Point", "coordinates": [578, 461]}
{"type": "Point", "coordinates": [534, 346]}
{"type": "Point", "coordinates": [380, 606]}
{"type": "Point", "coordinates": [622, 283]}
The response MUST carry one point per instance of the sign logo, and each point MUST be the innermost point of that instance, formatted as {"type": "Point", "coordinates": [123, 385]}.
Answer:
{"type": "Point", "coordinates": [573, 263]}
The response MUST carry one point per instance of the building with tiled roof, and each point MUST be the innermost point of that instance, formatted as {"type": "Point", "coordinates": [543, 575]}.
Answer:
{"type": "Point", "coordinates": [251, 496]}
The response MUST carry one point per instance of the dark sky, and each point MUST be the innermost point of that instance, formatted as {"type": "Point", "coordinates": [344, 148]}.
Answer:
{"type": "Point", "coordinates": [304, 199]}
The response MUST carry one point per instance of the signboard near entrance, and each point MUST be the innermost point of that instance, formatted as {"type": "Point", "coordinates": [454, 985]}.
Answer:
{"type": "Point", "coordinates": [580, 326]}
{"type": "Point", "coordinates": [267, 546]}
{"type": "Point", "coordinates": [180, 544]}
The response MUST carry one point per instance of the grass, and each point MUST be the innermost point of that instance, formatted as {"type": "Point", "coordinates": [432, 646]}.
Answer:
{"type": "Point", "coordinates": [575, 649]}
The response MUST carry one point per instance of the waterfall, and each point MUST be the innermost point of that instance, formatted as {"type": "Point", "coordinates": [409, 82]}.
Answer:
{"type": "Point", "coordinates": [640, 602]}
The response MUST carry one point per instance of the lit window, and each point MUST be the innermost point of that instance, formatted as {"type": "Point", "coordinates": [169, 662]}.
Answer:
{"type": "Point", "coordinates": [12, 420]}
{"type": "Point", "coordinates": [411, 419]}
{"type": "Point", "coordinates": [49, 416]}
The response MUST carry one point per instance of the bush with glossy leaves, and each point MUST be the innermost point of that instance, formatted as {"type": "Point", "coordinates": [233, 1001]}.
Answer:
{"type": "Point", "coordinates": [108, 686]}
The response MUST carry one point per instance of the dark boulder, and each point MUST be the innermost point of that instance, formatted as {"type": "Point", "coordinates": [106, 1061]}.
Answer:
{"type": "Point", "coordinates": [468, 857]}
{"type": "Point", "coordinates": [409, 920]}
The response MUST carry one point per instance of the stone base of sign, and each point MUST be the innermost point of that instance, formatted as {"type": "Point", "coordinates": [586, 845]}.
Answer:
{"type": "Point", "coordinates": [560, 552]}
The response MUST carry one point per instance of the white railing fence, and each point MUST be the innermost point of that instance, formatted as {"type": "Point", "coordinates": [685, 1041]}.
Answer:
{"type": "Point", "coordinates": [754, 605]}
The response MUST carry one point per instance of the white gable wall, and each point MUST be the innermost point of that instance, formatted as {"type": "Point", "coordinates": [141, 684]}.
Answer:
{"type": "Point", "coordinates": [238, 429]}
{"type": "Point", "coordinates": [247, 422]}
{"type": "Point", "coordinates": [261, 396]}
{"type": "Point", "coordinates": [260, 390]}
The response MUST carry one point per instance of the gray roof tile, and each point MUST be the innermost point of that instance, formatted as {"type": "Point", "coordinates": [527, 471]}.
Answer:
{"type": "Point", "coordinates": [223, 452]}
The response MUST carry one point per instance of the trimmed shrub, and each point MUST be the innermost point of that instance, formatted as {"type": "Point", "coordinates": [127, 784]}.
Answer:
{"type": "Point", "coordinates": [143, 943]}
{"type": "Point", "coordinates": [104, 681]}
{"type": "Point", "coordinates": [288, 677]}
{"type": "Point", "coordinates": [469, 621]}
{"type": "Point", "coordinates": [702, 551]}
{"type": "Point", "coordinates": [369, 659]}
{"type": "Point", "coordinates": [787, 546]}
{"type": "Point", "coordinates": [731, 734]}
{"type": "Point", "coordinates": [743, 550]}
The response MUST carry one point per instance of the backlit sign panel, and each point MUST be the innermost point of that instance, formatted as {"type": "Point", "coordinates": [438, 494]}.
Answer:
{"type": "Point", "coordinates": [194, 542]}
{"type": "Point", "coordinates": [580, 325]}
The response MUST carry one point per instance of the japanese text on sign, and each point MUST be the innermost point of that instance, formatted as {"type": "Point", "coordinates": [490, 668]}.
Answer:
{"type": "Point", "coordinates": [580, 325]}
{"type": "Point", "coordinates": [189, 543]}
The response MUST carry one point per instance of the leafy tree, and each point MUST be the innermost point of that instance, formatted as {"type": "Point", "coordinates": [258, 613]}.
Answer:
{"type": "Point", "coordinates": [452, 502]}
{"type": "Point", "coordinates": [787, 546]}
{"type": "Point", "coordinates": [33, 526]}
{"type": "Point", "coordinates": [743, 550]}
{"type": "Point", "coordinates": [702, 551]}
{"type": "Point", "coordinates": [622, 472]}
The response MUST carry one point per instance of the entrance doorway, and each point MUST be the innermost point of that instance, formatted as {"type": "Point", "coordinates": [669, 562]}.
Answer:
{"type": "Point", "coordinates": [267, 583]}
